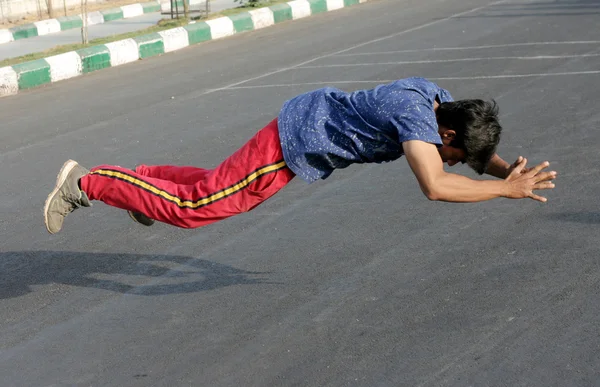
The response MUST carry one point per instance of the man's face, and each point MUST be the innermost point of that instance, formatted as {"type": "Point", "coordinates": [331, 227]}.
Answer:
{"type": "Point", "coordinates": [450, 154]}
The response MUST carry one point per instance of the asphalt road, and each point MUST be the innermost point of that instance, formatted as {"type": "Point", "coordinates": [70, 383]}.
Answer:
{"type": "Point", "coordinates": [46, 42]}
{"type": "Point", "coordinates": [357, 280]}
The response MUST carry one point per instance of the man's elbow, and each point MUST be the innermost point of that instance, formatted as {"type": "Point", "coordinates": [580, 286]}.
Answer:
{"type": "Point", "coordinates": [432, 194]}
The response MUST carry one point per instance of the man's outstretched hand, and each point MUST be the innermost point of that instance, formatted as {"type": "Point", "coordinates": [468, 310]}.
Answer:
{"type": "Point", "coordinates": [522, 181]}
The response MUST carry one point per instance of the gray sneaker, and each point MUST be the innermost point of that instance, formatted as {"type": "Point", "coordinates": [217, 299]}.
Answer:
{"type": "Point", "coordinates": [141, 218]}
{"type": "Point", "coordinates": [66, 196]}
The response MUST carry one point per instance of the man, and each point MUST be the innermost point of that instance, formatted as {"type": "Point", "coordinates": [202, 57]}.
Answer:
{"type": "Point", "coordinates": [314, 134]}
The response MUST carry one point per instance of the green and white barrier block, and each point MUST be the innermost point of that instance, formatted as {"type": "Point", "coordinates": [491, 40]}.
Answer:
{"type": "Point", "coordinates": [150, 45]}
{"type": "Point", "coordinates": [24, 31]}
{"type": "Point", "coordinates": [69, 22]}
{"type": "Point", "coordinates": [94, 58]}
{"type": "Point", "coordinates": [9, 84]}
{"type": "Point", "coordinates": [112, 14]}
{"type": "Point", "coordinates": [175, 39]}
{"type": "Point", "coordinates": [300, 9]}
{"type": "Point", "coordinates": [151, 6]}
{"type": "Point", "coordinates": [46, 27]}
{"type": "Point", "coordinates": [95, 18]}
{"type": "Point", "coordinates": [32, 74]}
{"type": "Point", "coordinates": [334, 4]}
{"type": "Point", "coordinates": [64, 66]}
{"type": "Point", "coordinates": [198, 32]}
{"type": "Point", "coordinates": [281, 12]}
{"type": "Point", "coordinates": [221, 27]}
{"type": "Point", "coordinates": [262, 18]}
{"type": "Point", "coordinates": [123, 51]}
{"type": "Point", "coordinates": [132, 10]}
{"type": "Point", "coordinates": [6, 36]}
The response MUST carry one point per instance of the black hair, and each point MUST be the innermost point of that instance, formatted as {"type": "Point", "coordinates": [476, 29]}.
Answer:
{"type": "Point", "coordinates": [477, 129]}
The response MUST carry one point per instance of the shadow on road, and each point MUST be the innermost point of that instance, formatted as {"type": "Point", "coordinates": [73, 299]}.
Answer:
{"type": "Point", "coordinates": [125, 273]}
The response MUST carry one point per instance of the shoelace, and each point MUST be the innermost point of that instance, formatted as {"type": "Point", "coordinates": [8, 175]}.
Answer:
{"type": "Point", "coordinates": [75, 204]}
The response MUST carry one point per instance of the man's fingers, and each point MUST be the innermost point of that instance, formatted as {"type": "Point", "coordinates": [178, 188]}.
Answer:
{"type": "Point", "coordinates": [519, 166]}
{"type": "Point", "coordinates": [545, 176]}
{"type": "Point", "coordinates": [538, 198]}
{"type": "Point", "coordinates": [544, 185]}
{"type": "Point", "coordinates": [535, 170]}
{"type": "Point", "coordinates": [519, 159]}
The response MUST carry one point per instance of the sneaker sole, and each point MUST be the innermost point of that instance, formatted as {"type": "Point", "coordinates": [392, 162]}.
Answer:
{"type": "Point", "coordinates": [132, 217]}
{"type": "Point", "coordinates": [137, 221]}
{"type": "Point", "coordinates": [60, 179]}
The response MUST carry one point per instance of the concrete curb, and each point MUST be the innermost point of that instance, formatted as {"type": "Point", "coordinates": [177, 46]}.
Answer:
{"type": "Point", "coordinates": [75, 63]}
{"type": "Point", "coordinates": [51, 26]}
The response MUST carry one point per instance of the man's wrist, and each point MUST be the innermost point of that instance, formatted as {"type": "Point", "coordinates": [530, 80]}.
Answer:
{"type": "Point", "coordinates": [506, 189]}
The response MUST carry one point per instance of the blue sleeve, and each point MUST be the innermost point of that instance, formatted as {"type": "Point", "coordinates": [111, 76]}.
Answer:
{"type": "Point", "coordinates": [445, 96]}
{"type": "Point", "coordinates": [416, 122]}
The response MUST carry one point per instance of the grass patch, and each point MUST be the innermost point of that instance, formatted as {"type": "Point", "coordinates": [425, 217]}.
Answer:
{"type": "Point", "coordinates": [162, 25]}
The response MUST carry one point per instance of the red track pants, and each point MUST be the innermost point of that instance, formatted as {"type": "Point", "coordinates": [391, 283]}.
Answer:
{"type": "Point", "coordinates": [191, 197]}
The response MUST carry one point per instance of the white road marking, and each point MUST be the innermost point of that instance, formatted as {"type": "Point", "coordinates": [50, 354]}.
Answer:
{"type": "Point", "coordinates": [474, 47]}
{"type": "Point", "coordinates": [539, 57]}
{"type": "Point", "coordinates": [382, 81]}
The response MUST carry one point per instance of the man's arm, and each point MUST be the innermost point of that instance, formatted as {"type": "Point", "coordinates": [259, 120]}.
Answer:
{"type": "Point", "coordinates": [500, 168]}
{"type": "Point", "coordinates": [437, 184]}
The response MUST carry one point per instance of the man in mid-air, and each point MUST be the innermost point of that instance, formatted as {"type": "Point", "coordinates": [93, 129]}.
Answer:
{"type": "Point", "coordinates": [314, 134]}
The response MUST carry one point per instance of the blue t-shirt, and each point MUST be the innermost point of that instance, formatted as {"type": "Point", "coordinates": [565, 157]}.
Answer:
{"type": "Point", "coordinates": [327, 129]}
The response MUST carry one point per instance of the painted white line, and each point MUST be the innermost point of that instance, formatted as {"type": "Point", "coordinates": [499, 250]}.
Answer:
{"type": "Point", "coordinates": [519, 75]}
{"type": "Point", "coordinates": [475, 47]}
{"type": "Point", "coordinates": [420, 27]}
{"type": "Point", "coordinates": [540, 57]}
{"type": "Point", "coordinates": [384, 81]}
